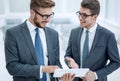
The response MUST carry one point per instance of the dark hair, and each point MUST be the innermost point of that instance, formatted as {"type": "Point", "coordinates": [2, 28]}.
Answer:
{"type": "Point", "coordinates": [93, 5]}
{"type": "Point", "coordinates": [35, 4]}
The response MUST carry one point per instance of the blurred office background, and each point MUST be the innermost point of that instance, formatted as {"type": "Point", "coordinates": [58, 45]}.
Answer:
{"type": "Point", "coordinates": [14, 12]}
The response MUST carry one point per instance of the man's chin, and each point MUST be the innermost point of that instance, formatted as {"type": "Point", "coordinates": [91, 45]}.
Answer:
{"type": "Point", "coordinates": [41, 26]}
{"type": "Point", "coordinates": [81, 25]}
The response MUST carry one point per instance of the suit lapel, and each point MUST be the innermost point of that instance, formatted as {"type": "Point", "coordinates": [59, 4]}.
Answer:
{"type": "Point", "coordinates": [95, 41]}
{"type": "Point", "coordinates": [48, 42]}
{"type": "Point", "coordinates": [79, 43]}
{"type": "Point", "coordinates": [28, 39]}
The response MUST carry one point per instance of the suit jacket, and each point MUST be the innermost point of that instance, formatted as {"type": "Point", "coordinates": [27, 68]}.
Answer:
{"type": "Point", "coordinates": [21, 60]}
{"type": "Point", "coordinates": [104, 48]}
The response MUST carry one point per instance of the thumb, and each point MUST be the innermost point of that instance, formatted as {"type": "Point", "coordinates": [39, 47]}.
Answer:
{"type": "Point", "coordinates": [68, 59]}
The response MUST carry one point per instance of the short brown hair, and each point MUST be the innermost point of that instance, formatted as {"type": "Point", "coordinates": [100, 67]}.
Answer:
{"type": "Point", "coordinates": [93, 5]}
{"type": "Point", "coordinates": [35, 4]}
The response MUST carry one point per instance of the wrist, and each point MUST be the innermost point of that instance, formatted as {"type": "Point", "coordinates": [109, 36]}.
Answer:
{"type": "Point", "coordinates": [43, 68]}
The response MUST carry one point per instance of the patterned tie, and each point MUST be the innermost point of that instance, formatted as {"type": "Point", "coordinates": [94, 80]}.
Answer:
{"type": "Point", "coordinates": [85, 49]}
{"type": "Point", "coordinates": [39, 52]}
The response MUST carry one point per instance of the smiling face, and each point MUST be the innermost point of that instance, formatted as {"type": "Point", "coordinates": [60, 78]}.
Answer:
{"type": "Point", "coordinates": [41, 16]}
{"type": "Point", "coordinates": [86, 18]}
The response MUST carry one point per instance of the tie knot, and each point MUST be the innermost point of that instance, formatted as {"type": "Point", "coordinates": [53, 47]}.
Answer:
{"type": "Point", "coordinates": [87, 31]}
{"type": "Point", "coordinates": [37, 30]}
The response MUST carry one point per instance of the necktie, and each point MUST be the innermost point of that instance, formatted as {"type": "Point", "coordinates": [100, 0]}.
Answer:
{"type": "Point", "coordinates": [39, 52]}
{"type": "Point", "coordinates": [85, 48]}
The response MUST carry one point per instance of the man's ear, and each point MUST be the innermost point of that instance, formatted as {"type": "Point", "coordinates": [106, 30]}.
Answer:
{"type": "Point", "coordinates": [32, 13]}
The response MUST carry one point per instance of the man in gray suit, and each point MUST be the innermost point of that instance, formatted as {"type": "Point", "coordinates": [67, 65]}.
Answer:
{"type": "Point", "coordinates": [20, 47]}
{"type": "Point", "coordinates": [91, 45]}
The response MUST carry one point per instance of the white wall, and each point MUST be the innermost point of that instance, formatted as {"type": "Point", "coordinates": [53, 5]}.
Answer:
{"type": "Point", "coordinates": [2, 7]}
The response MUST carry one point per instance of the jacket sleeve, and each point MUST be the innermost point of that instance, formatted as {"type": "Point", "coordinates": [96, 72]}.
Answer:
{"type": "Point", "coordinates": [113, 56]}
{"type": "Point", "coordinates": [13, 64]}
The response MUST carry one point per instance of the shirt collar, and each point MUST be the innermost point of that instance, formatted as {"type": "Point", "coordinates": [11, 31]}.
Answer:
{"type": "Point", "coordinates": [31, 27]}
{"type": "Point", "coordinates": [92, 29]}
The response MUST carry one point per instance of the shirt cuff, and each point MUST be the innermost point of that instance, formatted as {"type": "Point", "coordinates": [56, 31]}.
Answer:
{"type": "Point", "coordinates": [41, 73]}
{"type": "Point", "coordinates": [96, 77]}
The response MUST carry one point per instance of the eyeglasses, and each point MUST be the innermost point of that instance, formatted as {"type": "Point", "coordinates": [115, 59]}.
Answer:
{"type": "Point", "coordinates": [83, 15]}
{"type": "Point", "coordinates": [44, 16]}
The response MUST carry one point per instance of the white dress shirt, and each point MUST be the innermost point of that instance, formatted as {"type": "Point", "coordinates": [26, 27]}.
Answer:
{"type": "Point", "coordinates": [32, 31]}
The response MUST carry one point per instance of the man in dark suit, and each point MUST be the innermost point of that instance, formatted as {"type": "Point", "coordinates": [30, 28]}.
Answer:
{"type": "Point", "coordinates": [21, 44]}
{"type": "Point", "coordinates": [91, 45]}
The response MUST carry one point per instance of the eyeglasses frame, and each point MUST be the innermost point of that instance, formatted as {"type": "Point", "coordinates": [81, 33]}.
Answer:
{"type": "Point", "coordinates": [44, 16]}
{"type": "Point", "coordinates": [83, 15]}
